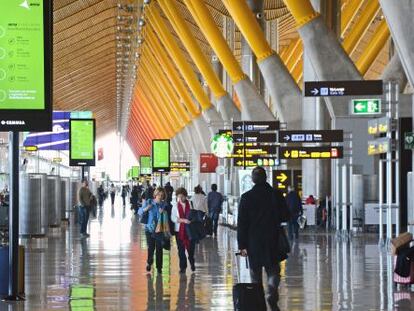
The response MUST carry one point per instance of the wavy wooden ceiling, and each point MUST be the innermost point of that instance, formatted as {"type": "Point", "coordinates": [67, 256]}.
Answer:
{"type": "Point", "coordinates": [85, 51]}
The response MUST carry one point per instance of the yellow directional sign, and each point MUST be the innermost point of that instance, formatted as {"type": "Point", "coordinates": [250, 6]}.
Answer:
{"type": "Point", "coordinates": [282, 177]}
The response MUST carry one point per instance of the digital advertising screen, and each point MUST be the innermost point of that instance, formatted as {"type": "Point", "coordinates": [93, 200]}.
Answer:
{"type": "Point", "coordinates": [145, 166]}
{"type": "Point", "coordinates": [135, 172]}
{"type": "Point", "coordinates": [82, 142]}
{"type": "Point", "coordinates": [25, 65]}
{"type": "Point", "coordinates": [161, 155]}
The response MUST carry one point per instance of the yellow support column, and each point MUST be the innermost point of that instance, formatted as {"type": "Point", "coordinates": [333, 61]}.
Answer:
{"type": "Point", "coordinates": [165, 101]}
{"type": "Point", "coordinates": [158, 51]}
{"type": "Point", "coordinates": [181, 62]}
{"type": "Point", "coordinates": [165, 129]}
{"type": "Point", "coordinates": [159, 73]}
{"type": "Point", "coordinates": [210, 30]}
{"type": "Point", "coordinates": [181, 28]}
{"type": "Point", "coordinates": [158, 104]}
{"type": "Point", "coordinates": [381, 35]}
{"type": "Point", "coordinates": [178, 106]}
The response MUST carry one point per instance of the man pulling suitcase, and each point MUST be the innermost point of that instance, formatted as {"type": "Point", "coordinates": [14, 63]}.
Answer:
{"type": "Point", "coordinates": [261, 212]}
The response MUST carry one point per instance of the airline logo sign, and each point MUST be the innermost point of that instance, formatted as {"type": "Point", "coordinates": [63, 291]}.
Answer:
{"type": "Point", "coordinates": [311, 152]}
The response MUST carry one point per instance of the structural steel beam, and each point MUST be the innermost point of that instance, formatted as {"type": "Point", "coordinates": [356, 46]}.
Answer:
{"type": "Point", "coordinates": [399, 15]}
{"type": "Point", "coordinates": [283, 89]}
{"type": "Point", "coordinates": [175, 53]}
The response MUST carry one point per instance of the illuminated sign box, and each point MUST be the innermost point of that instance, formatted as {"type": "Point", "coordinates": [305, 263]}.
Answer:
{"type": "Point", "coordinates": [135, 172]}
{"type": "Point", "coordinates": [180, 167]}
{"type": "Point", "coordinates": [379, 146]}
{"type": "Point", "coordinates": [145, 166]}
{"type": "Point", "coordinates": [161, 155]}
{"type": "Point", "coordinates": [25, 65]}
{"type": "Point", "coordinates": [82, 142]}
{"type": "Point", "coordinates": [311, 152]}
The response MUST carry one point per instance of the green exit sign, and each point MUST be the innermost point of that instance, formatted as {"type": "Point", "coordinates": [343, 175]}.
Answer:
{"type": "Point", "coordinates": [365, 106]}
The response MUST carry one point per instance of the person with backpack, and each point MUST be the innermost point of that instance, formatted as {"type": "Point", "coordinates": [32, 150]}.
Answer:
{"type": "Point", "coordinates": [180, 216]}
{"type": "Point", "coordinates": [154, 208]}
{"type": "Point", "coordinates": [261, 212]}
{"type": "Point", "coordinates": [294, 204]}
{"type": "Point", "coordinates": [215, 203]}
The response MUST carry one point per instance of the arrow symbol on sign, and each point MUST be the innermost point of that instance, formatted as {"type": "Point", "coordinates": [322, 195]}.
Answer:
{"type": "Point", "coordinates": [287, 154]}
{"type": "Point", "coordinates": [282, 177]}
{"type": "Point", "coordinates": [287, 137]}
{"type": "Point", "coordinates": [315, 91]}
{"type": "Point", "coordinates": [359, 107]}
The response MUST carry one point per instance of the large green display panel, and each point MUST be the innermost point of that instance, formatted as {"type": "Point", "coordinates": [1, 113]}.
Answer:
{"type": "Point", "coordinates": [82, 142]}
{"type": "Point", "coordinates": [160, 155]}
{"type": "Point", "coordinates": [145, 166]}
{"type": "Point", "coordinates": [135, 172]}
{"type": "Point", "coordinates": [25, 64]}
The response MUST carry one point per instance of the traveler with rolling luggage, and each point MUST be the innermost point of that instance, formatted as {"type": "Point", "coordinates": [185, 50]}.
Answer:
{"type": "Point", "coordinates": [215, 203]}
{"type": "Point", "coordinates": [261, 239]}
{"type": "Point", "coordinates": [180, 216]}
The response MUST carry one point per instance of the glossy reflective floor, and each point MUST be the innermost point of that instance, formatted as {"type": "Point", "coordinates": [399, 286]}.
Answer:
{"type": "Point", "coordinates": [107, 272]}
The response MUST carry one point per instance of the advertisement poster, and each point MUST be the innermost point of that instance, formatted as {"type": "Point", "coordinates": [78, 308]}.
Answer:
{"type": "Point", "coordinates": [82, 142]}
{"type": "Point", "coordinates": [245, 181]}
{"type": "Point", "coordinates": [160, 155]}
{"type": "Point", "coordinates": [208, 163]}
{"type": "Point", "coordinates": [25, 65]}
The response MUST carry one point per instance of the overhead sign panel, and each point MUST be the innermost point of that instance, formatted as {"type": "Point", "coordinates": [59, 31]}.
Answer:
{"type": "Point", "coordinates": [255, 137]}
{"type": "Point", "coordinates": [160, 155]}
{"type": "Point", "coordinates": [256, 126]}
{"type": "Point", "coordinates": [282, 179]}
{"type": "Point", "coordinates": [365, 106]}
{"type": "Point", "coordinates": [180, 167]}
{"type": "Point", "coordinates": [82, 142]}
{"type": "Point", "coordinates": [343, 88]}
{"type": "Point", "coordinates": [311, 152]}
{"type": "Point", "coordinates": [257, 161]}
{"type": "Point", "coordinates": [25, 65]}
{"type": "Point", "coordinates": [145, 165]}
{"type": "Point", "coordinates": [300, 136]}
{"type": "Point", "coordinates": [255, 150]}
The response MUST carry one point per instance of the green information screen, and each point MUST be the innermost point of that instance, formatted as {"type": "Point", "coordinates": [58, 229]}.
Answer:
{"type": "Point", "coordinates": [82, 141]}
{"type": "Point", "coordinates": [135, 172]}
{"type": "Point", "coordinates": [22, 84]}
{"type": "Point", "coordinates": [146, 168]}
{"type": "Point", "coordinates": [160, 155]}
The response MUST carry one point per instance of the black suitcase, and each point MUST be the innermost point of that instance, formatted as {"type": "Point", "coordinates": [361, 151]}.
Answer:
{"type": "Point", "coordinates": [208, 225]}
{"type": "Point", "coordinates": [248, 296]}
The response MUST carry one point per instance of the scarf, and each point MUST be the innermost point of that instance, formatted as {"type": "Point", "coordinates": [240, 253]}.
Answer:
{"type": "Point", "coordinates": [182, 233]}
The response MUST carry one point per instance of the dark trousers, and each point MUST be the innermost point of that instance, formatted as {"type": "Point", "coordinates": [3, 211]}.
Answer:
{"type": "Point", "coordinates": [83, 218]}
{"type": "Point", "coordinates": [123, 201]}
{"type": "Point", "coordinates": [113, 198]}
{"type": "Point", "coordinates": [273, 280]}
{"type": "Point", "coordinates": [154, 246]}
{"type": "Point", "coordinates": [215, 221]}
{"type": "Point", "coordinates": [182, 255]}
{"type": "Point", "coordinates": [293, 228]}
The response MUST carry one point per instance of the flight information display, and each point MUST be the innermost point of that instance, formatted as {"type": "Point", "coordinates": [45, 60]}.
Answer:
{"type": "Point", "coordinates": [82, 142]}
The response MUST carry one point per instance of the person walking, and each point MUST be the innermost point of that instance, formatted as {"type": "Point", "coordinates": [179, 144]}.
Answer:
{"type": "Point", "coordinates": [199, 200]}
{"type": "Point", "coordinates": [179, 215]}
{"type": "Point", "coordinates": [169, 190]}
{"type": "Point", "coordinates": [135, 199]}
{"type": "Point", "coordinates": [85, 197]}
{"type": "Point", "coordinates": [101, 195]}
{"type": "Point", "coordinates": [124, 194]}
{"type": "Point", "coordinates": [294, 204]}
{"type": "Point", "coordinates": [112, 191]}
{"type": "Point", "coordinates": [261, 212]}
{"type": "Point", "coordinates": [154, 207]}
{"type": "Point", "coordinates": [215, 203]}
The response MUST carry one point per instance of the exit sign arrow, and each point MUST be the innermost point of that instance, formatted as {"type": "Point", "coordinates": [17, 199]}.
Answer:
{"type": "Point", "coordinates": [365, 106]}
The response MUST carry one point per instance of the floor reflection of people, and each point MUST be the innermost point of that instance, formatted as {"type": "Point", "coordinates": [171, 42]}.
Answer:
{"type": "Point", "coordinates": [186, 294]}
{"type": "Point", "coordinates": [156, 299]}
{"type": "Point", "coordinates": [113, 211]}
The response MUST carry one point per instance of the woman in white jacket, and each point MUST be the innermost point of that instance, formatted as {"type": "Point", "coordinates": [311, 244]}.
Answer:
{"type": "Point", "coordinates": [179, 216]}
{"type": "Point", "coordinates": [199, 200]}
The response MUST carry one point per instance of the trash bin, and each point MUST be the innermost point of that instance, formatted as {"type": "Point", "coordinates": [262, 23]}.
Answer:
{"type": "Point", "coordinates": [4, 271]}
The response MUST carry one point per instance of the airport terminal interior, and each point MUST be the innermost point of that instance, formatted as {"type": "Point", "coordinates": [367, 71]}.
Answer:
{"type": "Point", "coordinates": [269, 141]}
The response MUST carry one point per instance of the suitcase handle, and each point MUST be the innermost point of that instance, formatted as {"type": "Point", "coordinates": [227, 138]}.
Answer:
{"type": "Point", "coordinates": [247, 260]}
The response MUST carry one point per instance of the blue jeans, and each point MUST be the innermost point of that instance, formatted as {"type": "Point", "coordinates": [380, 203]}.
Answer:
{"type": "Point", "coordinates": [83, 218]}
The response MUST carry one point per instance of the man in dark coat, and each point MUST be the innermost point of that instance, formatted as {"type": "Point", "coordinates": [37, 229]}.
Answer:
{"type": "Point", "coordinates": [261, 212]}
{"type": "Point", "coordinates": [294, 204]}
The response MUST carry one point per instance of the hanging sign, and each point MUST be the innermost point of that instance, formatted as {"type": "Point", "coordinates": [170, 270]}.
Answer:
{"type": "Point", "coordinates": [256, 126]}
{"type": "Point", "coordinates": [362, 107]}
{"type": "Point", "coordinates": [311, 152]}
{"type": "Point", "coordinates": [161, 155]}
{"type": "Point", "coordinates": [25, 65]}
{"type": "Point", "coordinates": [180, 167]}
{"type": "Point", "coordinates": [145, 166]}
{"type": "Point", "coordinates": [343, 88]}
{"type": "Point", "coordinates": [222, 145]}
{"type": "Point", "coordinates": [379, 146]}
{"type": "Point", "coordinates": [82, 142]}
{"type": "Point", "coordinates": [208, 163]}
{"type": "Point", "coordinates": [282, 179]}
{"type": "Point", "coordinates": [304, 136]}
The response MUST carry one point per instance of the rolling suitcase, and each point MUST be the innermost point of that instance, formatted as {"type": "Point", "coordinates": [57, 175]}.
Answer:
{"type": "Point", "coordinates": [248, 296]}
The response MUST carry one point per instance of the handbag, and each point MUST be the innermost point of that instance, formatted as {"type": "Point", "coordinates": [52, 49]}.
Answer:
{"type": "Point", "coordinates": [283, 245]}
